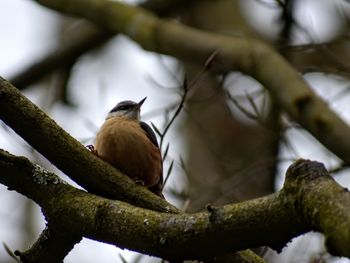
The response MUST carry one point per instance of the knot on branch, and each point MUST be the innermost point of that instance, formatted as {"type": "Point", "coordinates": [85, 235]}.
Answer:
{"type": "Point", "coordinates": [306, 169]}
{"type": "Point", "coordinates": [215, 213]}
{"type": "Point", "coordinates": [303, 171]}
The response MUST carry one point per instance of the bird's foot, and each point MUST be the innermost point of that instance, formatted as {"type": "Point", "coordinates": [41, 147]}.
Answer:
{"type": "Point", "coordinates": [92, 149]}
{"type": "Point", "coordinates": [138, 181]}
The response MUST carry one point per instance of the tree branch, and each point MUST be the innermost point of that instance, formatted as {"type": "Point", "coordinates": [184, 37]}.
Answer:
{"type": "Point", "coordinates": [322, 203]}
{"type": "Point", "coordinates": [86, 37]}
{"type": "Point", "coordinates": [247, 55]}
{"type": "Point", "coordinates": [305, 203]}
{"type": "Point", "coordinates": [53, 245]}
{"type": "Point", "coordinates": [19, 174]}
{"type": "Point", "coordinates": [166, 7]}
{"type": "Point", "coordinates": [98, 177]}
{"type": "Point", "coordinates": [57, 240]}
{"type": "Point", "coordinates": [70, 156]}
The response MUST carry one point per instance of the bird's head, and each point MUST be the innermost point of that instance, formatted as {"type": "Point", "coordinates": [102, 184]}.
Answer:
{"type": "Point", "coordinates": [127, 109]}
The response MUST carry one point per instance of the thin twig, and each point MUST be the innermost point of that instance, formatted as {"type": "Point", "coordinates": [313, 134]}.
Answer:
{"type": "Point", "coordinates": [169, 172]}
{"type": "Point", "coordinates": [177, 112]}
{"type": "Point", "coordinates": [247, 113]}
{"type": "Point", "coordinates": [165, 154]}
{"type": "Point", "coordinates": [122, 258]}
{"type": "Point", "coordinates": [254, 107]}
{"type": "Point", "coordinates": [186, 88]}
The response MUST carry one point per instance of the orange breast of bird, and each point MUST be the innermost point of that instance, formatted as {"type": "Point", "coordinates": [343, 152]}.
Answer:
{"type": "Point", "coordinates": [125, 145]}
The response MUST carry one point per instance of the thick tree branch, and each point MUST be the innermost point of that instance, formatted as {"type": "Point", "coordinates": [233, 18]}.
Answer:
{"type": "Point", "coordinates": [52, 246]}
{"type": "Point", "coordinates": [247, 55]}
{"type": "Point", "coordinates": [68, 154]}
{"type": "Point", "coordinates": [166, 7]}
{"type": "Point", "coordinates": [323, 203]}
{"type": "Point", "coordinates": [55, 242]}
{"type": "Point", "coordinates": [158, 233]}
{"type": "Point", "coordinates": [272, 220]}
{"type": "Point", "coordinates": [86, 37]}
{"type": "Point", "coordinates": [19, 174]}
{"type": "Point", "coordinates": [329, 58]}
{"type": "Point", "coordinates": [83, 38]}
{"type": "Point", "coordinates": [63, 233]}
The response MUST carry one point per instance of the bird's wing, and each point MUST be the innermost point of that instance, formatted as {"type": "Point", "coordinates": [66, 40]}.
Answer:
{"type": "Point", "coordinates": [157, 188]}
{"type": "Point", "coordinates": [150, 133]}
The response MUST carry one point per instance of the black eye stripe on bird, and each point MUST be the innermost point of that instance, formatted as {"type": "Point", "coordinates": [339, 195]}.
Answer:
{"type": "Point", "coordinates": [127, 105]}
{"type": "Point", "coordinates": [131, 145]}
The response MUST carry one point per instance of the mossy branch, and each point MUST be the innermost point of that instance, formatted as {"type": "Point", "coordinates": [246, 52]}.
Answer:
{"type": "Point", "coordinates": [322, 203]}
{"type": "Point", "coordinates": [310, 200]}
{"type": "Point", "coordinates": [70, 156]}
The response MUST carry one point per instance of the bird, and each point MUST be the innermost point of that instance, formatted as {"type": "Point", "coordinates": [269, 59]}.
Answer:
{"type": "Point", "coordinates": [131, 146]}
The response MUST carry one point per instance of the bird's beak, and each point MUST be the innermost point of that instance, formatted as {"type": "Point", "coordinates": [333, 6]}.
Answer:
{"type": "Point", "coordinates": [139, 104]}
